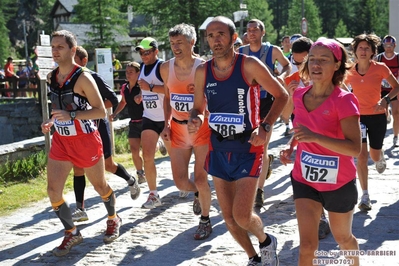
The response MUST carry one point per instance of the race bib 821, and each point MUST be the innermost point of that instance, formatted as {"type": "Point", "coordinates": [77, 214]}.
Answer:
{"type": "Point", "coordinates": [182, 102]}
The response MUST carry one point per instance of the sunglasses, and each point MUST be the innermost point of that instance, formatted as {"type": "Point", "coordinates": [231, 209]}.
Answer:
{"type": "Point", "coordinates": [296, 63]}
{"type": "Point", "coordinates": [145, 53]}
{"type": "Point", "coordinates": [388, 45]}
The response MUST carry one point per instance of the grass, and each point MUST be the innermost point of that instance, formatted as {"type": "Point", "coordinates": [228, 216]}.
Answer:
{"type": "Point", "coordinates": [23, 182]}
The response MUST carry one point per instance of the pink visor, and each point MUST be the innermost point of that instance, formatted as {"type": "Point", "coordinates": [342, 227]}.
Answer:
{"type": "Point", "coordinates": [332, 45]}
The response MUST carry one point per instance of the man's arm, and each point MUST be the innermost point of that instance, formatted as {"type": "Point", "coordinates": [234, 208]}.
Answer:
{"type": "Point", "coordinates": [256, 71]}
{"type": "Point", "coordinates": [283, 61]}
{"type": "Point", "coordinates": [197, 113]}
{"type": "Point", "coordinates": [164, 71]}
{"type": "Point", "coordinates": [106, 92]}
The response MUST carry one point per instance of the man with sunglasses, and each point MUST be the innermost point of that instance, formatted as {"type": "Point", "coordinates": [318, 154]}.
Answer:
{"type": "Point", "coordinates": [268, 54]}
{"type": "Point", "coordinates": [391, 59]}
{"type": "Point", "coordinates": [152, 96]}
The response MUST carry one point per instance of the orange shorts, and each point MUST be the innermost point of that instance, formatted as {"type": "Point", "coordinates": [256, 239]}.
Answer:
{"type": "Point", "coordinates": [181, 139]}
{"type": "Point", "coordinates": [83, 151]}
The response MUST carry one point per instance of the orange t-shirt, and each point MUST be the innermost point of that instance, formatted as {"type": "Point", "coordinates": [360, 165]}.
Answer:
{"type": "Point", "coordinates": [367, 88]}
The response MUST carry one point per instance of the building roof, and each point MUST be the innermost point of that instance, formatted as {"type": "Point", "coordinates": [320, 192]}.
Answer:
{"type": "Point", "coordinates": [66, 4]}
{"type": "Point", "coordinates": [80, 31]}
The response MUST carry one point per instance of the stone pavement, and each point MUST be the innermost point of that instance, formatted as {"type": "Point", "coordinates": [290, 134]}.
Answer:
{"type": "Point", "coordinates": [164, 236]}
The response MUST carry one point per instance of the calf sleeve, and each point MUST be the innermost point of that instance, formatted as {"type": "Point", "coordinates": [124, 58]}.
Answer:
{"type": "Point", "coordinates": [109, 202]}
{"type": "Point", "coordinates": [64, 214]}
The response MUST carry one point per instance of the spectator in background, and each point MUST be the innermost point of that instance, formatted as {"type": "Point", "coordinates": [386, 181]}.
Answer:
{"type": "Point", "coordinates": [116, 65]}
{"type": "Point", "coordinates": [32, 70]}
{"type": "Point", "coordinates": [286, 46]}
{"type": "Point", "coordinates": [22, 82]}
{"type": "Point", "coordinates": [9, 73]}
{"type": "Point", "coordinates": [244, 39]}
{"type": "Point", "coordinates": [237, 44]}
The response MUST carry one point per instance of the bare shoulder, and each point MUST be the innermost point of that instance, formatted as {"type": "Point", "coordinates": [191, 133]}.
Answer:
{"type": "Point", "coordinates": [164, 69]}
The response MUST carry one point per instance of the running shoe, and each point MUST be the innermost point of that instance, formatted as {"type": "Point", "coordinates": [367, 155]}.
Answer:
{"type": "Point", "coordinates": [69, 241]}
{"type": "Point", "coordinates": [79, 215]}
{"type": "Point", "coordinates": [260, 198]}
{"type": "Point", "coordinates": [183, 194]}
{"type": "Point", "coordinates": [162, 148]}
{"type": "Point", "coordinates": [141, 177]}
{"type": "Point", "coordinates": [203, 231]}
{"type": "Point", "coordinates": [324, 228]}
{"type": "Point", "coordinates": [395, 141]}
{"type": "Point", "coordinates": [269, 170]}
{"type": "Point", "coordinates": [365, 203]}
{"type": "Point", "coordinates": [196, 206]}
{"type": "Point", "coordinates": [381, 165]}
{"type": "Point", "coordinates": [269, 253]}
{"type": "Point", "coordinates": [134, 190]}
{"type": "Point", "coordinates": [253, 262]}
{"type": "Point", "coordinates": [112, 232]}
{"type": "Point", "coordinates": [152, 202]}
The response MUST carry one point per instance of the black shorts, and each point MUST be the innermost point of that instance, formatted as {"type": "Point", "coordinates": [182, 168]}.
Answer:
{"type": "Point", "coordinates": [375, 127]}
{"type": "Point", "coordinates": [135, 129]}
{"type": "Point", "coordinates": [152, 125]}
{"type": "Point", "coordinates": [103, 129]}
{"type": "Point", "coordinates": [265, 105]}
{"type": "Point", "coordinates": [341, 200]}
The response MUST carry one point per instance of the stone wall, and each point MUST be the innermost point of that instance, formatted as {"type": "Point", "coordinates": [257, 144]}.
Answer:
{"type": "Point", "coordinates": [20, 119]}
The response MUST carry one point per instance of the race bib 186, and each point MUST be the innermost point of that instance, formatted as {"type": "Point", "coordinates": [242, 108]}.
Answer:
{"type": "Point", "coordinates": [319, 168]}
{"type": "Point", "coordinates": [66, 128]}
{"type": "Point", "coordinates": [182, 102]}
{"type": "Point", "coordinates": [226, 124]}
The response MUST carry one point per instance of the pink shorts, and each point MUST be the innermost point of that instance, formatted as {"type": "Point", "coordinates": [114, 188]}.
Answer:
{"type": "Point", "coordinates": [83, 151]}
{"type": "Point", "coordinates": [181, 139]}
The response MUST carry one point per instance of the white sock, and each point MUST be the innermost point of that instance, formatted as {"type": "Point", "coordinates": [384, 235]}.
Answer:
{"type": "Point", "coordinates": [365, 192]}
{"type": "Point", "coordinates": [155, 192]}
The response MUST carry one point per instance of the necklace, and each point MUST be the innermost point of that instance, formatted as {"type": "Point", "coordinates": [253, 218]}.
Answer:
{"type": "Point", "coordinates": [226, 68]}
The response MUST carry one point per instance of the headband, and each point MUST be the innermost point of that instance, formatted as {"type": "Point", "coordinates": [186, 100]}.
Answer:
{"type": "Point", "coordinates": [332, 45]}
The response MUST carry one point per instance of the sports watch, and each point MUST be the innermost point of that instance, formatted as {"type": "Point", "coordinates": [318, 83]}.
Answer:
{"type": "Point", "coordinates": [266, 126]}
{"type": "Point", "coordinates": [73, 115]}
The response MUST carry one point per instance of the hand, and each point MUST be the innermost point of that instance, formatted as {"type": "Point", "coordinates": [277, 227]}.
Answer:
{"type": "Point", "coordinates": [194, 124]}
{"type": "Point", "coordinates": [285, 156]}
{"type": "Point", "coordinates": [165, 134]}
{"type": "Point", "coordinates": [258, 137]}
{"type": "Point", "coordinates": [46, 126]}
{"type": "Point", "coordinates": [112, 117]}
{"type": "Point", "coordinates": [143, 84]}
{"type": "Point", "coordinates": [382, 105]}
{"type": "Point", "coordinates": [61, 115]}
{"type": "Point", "coordinates": [138, 98]}
{"type": "Point", "coordinates": [303, 134]}
{"type": "Point", "coordinates": [292, 86]}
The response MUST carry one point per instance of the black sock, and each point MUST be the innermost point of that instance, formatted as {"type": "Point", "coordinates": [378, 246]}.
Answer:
{"type": "Point", "coordinates": [204, 218]}
{"type": "Point", "coordinates": [79, 185]}
{"type": "Point", "coordinates": [121, 171]}
{"type": "Point", "coordinates": [265, 243]}
{"type": "Point", "coordinates": [196, 194]}
{"type": "Point", "coordinates": [256, 258]}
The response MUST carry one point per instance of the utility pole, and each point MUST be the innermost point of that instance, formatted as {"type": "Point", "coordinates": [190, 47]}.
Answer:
{"type": "Point", "coordinates": [26, 44]}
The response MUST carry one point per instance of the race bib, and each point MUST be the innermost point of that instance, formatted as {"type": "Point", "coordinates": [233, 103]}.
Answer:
{"type": "Point", "coordinates": [226, 124]}
{"type": "Point", "coordinates": [363, 130]}
{"type": "Point", "coordinates": [182, 102]}
{"type": "Point", "coordinates": [151, 101]}
{"type": "Point", "coordinates": [66, 128]}
{"type": "Point", "coordinates": [319, 168]}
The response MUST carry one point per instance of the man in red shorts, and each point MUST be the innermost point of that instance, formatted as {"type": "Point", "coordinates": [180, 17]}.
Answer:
{"type": "Point", "coordinates": [75, 101]}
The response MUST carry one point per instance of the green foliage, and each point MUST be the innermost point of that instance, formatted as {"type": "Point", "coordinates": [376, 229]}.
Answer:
{"type": "Point", "coordinates": [106, 21]}
{"type": "Point", "coordinates": [341, 30]}
{"type": "Point", "coordinates": [5, 45]}
{"type": "Point", "coordinates": [121, 143]}
{"type": "Point", "coordinates": [311, 13]}
{"type": "Point", "coordinates": [260, 9]}
{"type": "Point", "coordinates": [24, 169]}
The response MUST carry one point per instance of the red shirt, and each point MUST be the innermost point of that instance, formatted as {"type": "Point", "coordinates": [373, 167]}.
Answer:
{"type": "Point", "coordinates": [9, 70]}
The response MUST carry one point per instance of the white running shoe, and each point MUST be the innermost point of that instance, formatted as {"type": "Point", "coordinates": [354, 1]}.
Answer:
{"type": "Point", "coordinates": [269, 253]}
{"type": "Point", "coordinates": [365, 203]}
{"type": "Point", "coordinates": [381, 165]}
{"type": "Point", "coordinates": [152, 202]}
{"type": "Point", "coordinates": [79, 215]}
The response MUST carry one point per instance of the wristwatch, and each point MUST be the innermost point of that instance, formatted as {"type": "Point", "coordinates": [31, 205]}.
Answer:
{"type": "Point", "coordinates": [73, 115]}
{"type": "Point", "coordinates": [151, 87]}
{"type": "Point", "coordinates": [266, 126]}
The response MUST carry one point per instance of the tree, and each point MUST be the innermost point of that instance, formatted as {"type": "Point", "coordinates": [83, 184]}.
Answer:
{"type": "Point", "coordinates": [5, 45]}
{"type": "Point", "coordinates": [312, 16]}
{"type": "Point", "coordinates": [341, 30]}
{"type": "Point", "coordinates": [105, 19]}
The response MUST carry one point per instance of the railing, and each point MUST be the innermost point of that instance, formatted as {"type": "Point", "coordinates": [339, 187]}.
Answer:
{"type": "Point", "coordinates": [9, 87]}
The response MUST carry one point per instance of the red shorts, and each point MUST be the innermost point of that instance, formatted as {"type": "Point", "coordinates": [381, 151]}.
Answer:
{"type": "Point", "coordinates": [181, 139]}
{"type": "Point", "coordinates": [83, 151]}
